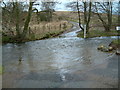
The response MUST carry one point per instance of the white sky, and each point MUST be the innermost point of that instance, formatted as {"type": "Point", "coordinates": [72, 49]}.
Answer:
{"type": "Point", "coordinates": [59, 7]}
{"type": "Point", "coordinates": [62, 6]}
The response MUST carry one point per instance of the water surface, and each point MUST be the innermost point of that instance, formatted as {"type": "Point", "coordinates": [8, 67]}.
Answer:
{"type": "Point", "coordinates": [63, 62]}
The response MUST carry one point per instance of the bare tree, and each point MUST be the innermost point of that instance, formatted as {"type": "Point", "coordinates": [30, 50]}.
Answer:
{"type": "Point", "coordinates": [84, 7]}
{"type": "Point", "coordinates": [104, 7]}
{"type": "Point", "coordinates": [14, 12]}
{"type": "Point", "coordinates": [25, 30]}
{"type": "Point", "coordinates": [87, 14]}
{"type": "Point", "coordinates": [75, 6]}
{"type": "Point", "coordinates": [16, 7]}
{"type": "Point", "coordinates": [119, 13]}
{"type": "Point", "coordinates": [78, 9]}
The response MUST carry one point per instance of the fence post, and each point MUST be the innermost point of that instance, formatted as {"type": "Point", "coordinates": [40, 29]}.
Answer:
{"type": "Point", "coordinates": [85, 31]}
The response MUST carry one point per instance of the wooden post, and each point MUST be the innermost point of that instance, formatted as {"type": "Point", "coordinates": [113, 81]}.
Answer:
{"type": "Point", "coordinates": [85, 31]}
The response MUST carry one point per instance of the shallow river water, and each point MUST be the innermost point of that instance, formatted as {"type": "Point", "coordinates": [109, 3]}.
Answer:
{"type": "Point", "coordinates": [65, 62]}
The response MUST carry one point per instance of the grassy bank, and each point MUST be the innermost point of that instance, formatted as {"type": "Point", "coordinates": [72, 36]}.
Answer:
{"type": "Point", "coordinates": [117, 41]}
{"type": "Point", "coordinates": [1, 69]}
{"type": "Point", "coordinates": [98, 33]}
{"type": "Point", "coordinates": [40, 31]}
{"type": "Point", "coordinates": [96, 26]}
{"type": "Point", "coordinates": [115, 44]}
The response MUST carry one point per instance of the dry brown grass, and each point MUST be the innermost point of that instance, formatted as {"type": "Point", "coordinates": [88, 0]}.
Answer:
{"type": "Point", "coordinates": [43, 28]}
{"type": "Point", "coordinates": [38, 29]}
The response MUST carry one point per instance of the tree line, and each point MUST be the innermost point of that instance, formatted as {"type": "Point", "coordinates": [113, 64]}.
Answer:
{"type": "Point", "coordinates": [19, 14]}
{"type": "Point", "coordinates": [97, 8]}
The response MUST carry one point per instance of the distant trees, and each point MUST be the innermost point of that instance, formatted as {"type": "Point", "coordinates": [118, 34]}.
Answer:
{"type": "Point", "coordinates": [47, 7]}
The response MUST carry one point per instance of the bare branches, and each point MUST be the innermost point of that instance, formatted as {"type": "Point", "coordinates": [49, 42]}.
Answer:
{"type": "Point", "coordinates": [79, 16]}
{"type": "Point", "coordinates": [107, 8]}
{"type": "Point", "coordinates": [25, 30]}
{"type": "Point", "coordinates": [86, 8]}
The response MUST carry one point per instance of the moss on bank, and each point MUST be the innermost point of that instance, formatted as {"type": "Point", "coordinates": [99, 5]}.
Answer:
{"type": "Point", "coordinates": [115, 44]}
{"type": "Point", "coordinates": [32, 36]}
{"type": "Point", "coordinates": [1, 69]}
{"type": "Point", "coordinates": [117, 41]}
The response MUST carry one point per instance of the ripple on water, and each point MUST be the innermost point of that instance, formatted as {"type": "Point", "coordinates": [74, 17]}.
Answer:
{"type": "Point", "coordinates": [52, 59]}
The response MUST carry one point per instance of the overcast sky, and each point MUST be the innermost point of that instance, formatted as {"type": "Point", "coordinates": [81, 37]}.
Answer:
{"type": "Point", "coordinates": [59, 7]}
{"type": "Point", "coordinates": [62, 6]}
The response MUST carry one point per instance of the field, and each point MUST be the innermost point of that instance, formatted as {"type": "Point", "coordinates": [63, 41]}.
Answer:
{"type": "Point", "coordinates": [59, 24]}
{"type": "Point", "coordinates": [40, 29]}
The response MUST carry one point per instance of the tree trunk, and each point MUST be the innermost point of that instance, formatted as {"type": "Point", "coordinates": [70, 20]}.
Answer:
{"type": "Point", "coordinates": [26, 25]}
{"type": "Point", "coordinates": [17, 18]}
{"type": "Point", "coordinates": [79, 16]}
{"type": "Point", "coordinates": [85, 13]}
{"type": "Point", "coordinates": [89, 16]}
{"type": "Point", "coordinates": [119, 13]}
{"type": "Point", "coordinates": [109, 15]}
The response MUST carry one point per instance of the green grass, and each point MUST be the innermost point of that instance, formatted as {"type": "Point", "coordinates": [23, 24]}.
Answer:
{"type": "Point", "coordinates": [74, 20]}
{"type": "Point", "coordinates": [116, 41]}
{"type": "Point", "coordinates": [1, 69]}
{"type": "Point", "coordinates": [32, 37]}
{"type": "Point", "coordinates": [98, 33]}
{"type": "Point", "coordinates": [38, 36]}
{"type": "Point", "coordinates": [49, 34]}
{"type": "Point", "coordinates": [6, 39]}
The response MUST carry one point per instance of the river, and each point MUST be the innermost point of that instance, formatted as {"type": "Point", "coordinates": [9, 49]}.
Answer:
{"type": "Point", "coordinates": [62, 62]}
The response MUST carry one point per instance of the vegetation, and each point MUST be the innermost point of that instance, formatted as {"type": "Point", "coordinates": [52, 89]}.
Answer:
{"type": "Point", "coordinates": [42, 31]}
{"type": "Point", "coordinates": [1, 69]}
{"type": "Point", "coordinates": [34, 25]}
{"type": "Point", "coordinates": [116, 41]}
{"type": "Point", "coordinates": [98, 33]}
{"type": "Point", "coordinates": [87, 10]}
{"type": "Point", "coordinates": [115, 44]}
{"type": "Point", "coordinates": [95, 13]}
{"type": "Point", "coordinates": [13, 18]}
{"type": "Point", "coordinates": [22, 22]}
{"type": "Point", "coordinates": [105, 7]}
{"type": "Point", "coordinates": [48, 9]}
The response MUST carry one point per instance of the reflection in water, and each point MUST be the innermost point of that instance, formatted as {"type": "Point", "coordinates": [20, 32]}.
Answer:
{"type": "Point", "coordinates": [62, 74]}
{"type": "Point", "coordinates": [86, 54]}
{"type": "Point", "coordinates": [20, 67]}
{"type": "Point", "coordinates": [19, 63]}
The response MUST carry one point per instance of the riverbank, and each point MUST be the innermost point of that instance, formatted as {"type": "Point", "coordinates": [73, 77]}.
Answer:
{"type": "Point", "coordinates": [98, 33]}
{"type": "Point", "coordinates": [67, 62]}
{"type": "Point", "coordinates": [115, 44]}
{"type": "Point", "coordinates": [41, 31]}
